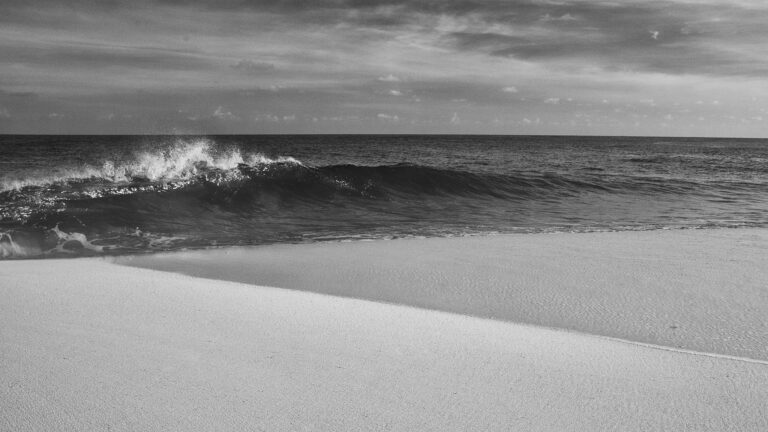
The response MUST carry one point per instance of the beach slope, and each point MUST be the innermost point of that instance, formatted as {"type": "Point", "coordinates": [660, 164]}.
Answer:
{"type": "Point", "coordinates": [89, 345]}
{"type": "Point", "coordinates": [701, 290]}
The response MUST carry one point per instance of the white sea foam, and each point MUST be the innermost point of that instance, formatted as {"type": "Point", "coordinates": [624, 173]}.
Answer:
{"type": "Point", "coordinates": [182, 161]}
{"type": "Point", "coordinates": [66, 239]}
{"type": "Point", "coordinates": [11, 249]}
{"type": "Point", "coordinates": [34, 245]}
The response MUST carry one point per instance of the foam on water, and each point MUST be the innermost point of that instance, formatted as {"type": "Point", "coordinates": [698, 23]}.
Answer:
{"type": "Point", "coordinates": [10, 249]}
{"type": "Point", "coordinates": [184, 160]}
{"type": "Point", "coordinates": [72, 196]}
{"type": "Point", "coordinates": [53, 242]}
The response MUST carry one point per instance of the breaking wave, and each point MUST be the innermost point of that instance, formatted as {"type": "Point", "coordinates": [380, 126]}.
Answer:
{"type": "Point", "coordinates": [183, 161]}
{"type": "Point", "coordinates": [196, 194]}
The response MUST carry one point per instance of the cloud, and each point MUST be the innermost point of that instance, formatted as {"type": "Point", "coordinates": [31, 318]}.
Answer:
{"type": "Point", "coordinates": [564, 17]}
{"type": "Point", "coordinates": [97, 55]}
{"type": "Point", "coordinates": [221, 114]}
{"type": "Point", "coordinates": [610, 35]}
{"type": "Point", "coordinates": [253, 67]}
{"type": "Point", "coordinates": [389, 78]}
{"type": "Point", "coordinates": [268, 118]}
{"type": "Point", "coordinates": [4, 114]}
{"type": "Point", "coordinates": [388, 117]}
{"type": "Point", "coordinates": [342, 58]}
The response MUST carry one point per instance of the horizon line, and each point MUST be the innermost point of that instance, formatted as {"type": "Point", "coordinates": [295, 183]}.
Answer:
{"type": "Point", "coordinates": [384, 134]}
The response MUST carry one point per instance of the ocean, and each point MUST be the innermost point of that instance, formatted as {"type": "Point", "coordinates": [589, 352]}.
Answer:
{"type": "Point", "coordinates": [64, 196]}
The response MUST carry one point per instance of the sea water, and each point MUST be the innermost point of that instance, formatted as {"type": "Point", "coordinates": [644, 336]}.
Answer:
{"type": "Point", "coordinates": [89, 195]}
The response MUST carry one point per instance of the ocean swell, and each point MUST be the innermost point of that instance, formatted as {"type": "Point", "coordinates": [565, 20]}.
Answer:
{"type": "Point", "coordinates": [196, 194]}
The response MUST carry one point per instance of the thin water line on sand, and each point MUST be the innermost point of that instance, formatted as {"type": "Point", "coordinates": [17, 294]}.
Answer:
{"type": "Point", "coordinates": [677, 350]}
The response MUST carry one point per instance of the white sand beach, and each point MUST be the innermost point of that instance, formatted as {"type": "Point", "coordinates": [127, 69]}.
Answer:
{"type": "Point", "coordinates": [703, 290]}
{"type": "Point", "coordinates": [89, 344]}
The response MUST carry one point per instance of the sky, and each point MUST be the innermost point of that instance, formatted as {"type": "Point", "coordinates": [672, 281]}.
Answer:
{"type": "Point", "coordinates": [658, 68]}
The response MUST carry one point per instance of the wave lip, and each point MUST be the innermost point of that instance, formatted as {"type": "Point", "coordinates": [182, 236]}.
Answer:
{"type": "Point", "coordinates": [182, 161]}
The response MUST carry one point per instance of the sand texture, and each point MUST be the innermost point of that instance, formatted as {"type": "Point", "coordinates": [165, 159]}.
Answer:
{"type": "Point", "coordinates": [89, 345]}
{"type": "Point", "coordinates": [702, 290]}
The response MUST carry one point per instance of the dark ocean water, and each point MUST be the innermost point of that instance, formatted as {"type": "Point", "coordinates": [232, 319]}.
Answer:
{"type": "Point", "coordinates": [85, 195]}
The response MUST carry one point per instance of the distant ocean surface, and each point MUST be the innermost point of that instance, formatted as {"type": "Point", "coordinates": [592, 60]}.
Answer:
{"type": "Point", "coordinates": [92, 195]}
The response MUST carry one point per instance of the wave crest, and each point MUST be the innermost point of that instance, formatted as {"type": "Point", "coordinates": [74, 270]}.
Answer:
{"type": "Point", "coordinates": [180, 162]}
{"type": "Point", "coordinates": [183, 162]}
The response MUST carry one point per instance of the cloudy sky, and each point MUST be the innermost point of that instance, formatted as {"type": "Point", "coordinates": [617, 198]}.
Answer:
{"type": "Point", "coordinates": [683, 67]}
